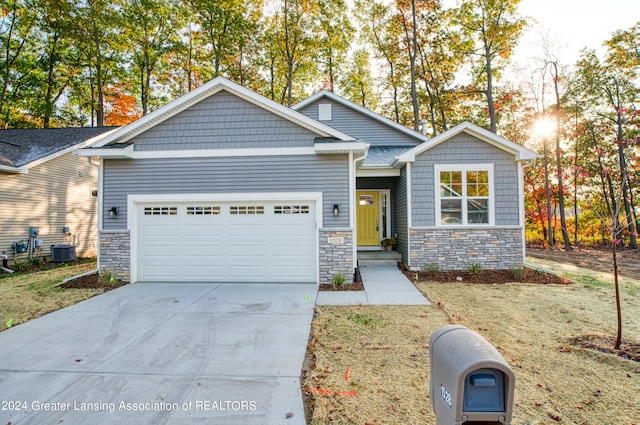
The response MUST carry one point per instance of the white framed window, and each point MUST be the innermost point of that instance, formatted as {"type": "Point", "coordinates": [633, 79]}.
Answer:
{"type": "Point", "coordinates": [246, 210]}
{"type": "Point", "coordinates": [203, 210]}
{"type": "Point", "coordinates": [160, 210]}
{"type": "Point", "coordinates": [464, 195]}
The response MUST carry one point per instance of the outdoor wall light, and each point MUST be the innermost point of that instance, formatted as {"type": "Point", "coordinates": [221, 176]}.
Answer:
{"type": "Point", "coordinates": [336, 210]}
{"type": "Point", "coordinates": [113, 212]}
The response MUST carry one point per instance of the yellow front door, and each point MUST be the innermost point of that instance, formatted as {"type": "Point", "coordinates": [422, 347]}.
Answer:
{"type": "Point", "coordinates": [367, 223]}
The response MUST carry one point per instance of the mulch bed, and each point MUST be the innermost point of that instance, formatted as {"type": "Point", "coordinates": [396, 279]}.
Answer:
{"type": "Point", "coordinates": [346, 287]}
{"type": "Point", "coordinates": [91, 281]}
{"type": "Point", "coordinates": [628, 350]}
{"type": "Point", "coordinates": [486, 277]}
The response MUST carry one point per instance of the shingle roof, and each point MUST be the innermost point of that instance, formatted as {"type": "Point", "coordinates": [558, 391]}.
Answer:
{"type": "Point", "coordinates": [382, 156]}
{"type": "Point", "coordinates": [19, 147]}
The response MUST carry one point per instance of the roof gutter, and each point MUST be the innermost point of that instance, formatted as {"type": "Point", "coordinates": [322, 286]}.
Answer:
{"type": "Point", "coordinates": [14, 170]}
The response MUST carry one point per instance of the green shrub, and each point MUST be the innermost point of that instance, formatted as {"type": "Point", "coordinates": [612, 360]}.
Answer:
{"type": "Point", "coordinates": [518, 272]}
{"type": "Point", "coordinates": [21, 265]}
{"type": "Point", "coordinates": [474, 268]}
{"type": "Point", "coordinates": [36, 262]}
{"type": "Point", "coordinates": [430, 268]}
{"type": "Point", "coordinates": [338, 280]}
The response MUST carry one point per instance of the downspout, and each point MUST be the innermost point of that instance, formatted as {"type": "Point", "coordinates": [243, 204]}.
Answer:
{"type": "Point", "coordinates": [409, 215]}
{"type": "Point", "coordinates": [99, 209]}
{"type": "Point", "coordinates": [521, 168]}
{"type": "Point", "coordinates": [352, 202]}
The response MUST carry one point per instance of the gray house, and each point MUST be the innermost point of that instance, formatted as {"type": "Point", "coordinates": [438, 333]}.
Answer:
{"type": "Point", "coordinates": [224, 185]}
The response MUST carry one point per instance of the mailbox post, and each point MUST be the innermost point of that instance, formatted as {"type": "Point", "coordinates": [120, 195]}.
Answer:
{"type": "Point", "coordinates": [470, 383]}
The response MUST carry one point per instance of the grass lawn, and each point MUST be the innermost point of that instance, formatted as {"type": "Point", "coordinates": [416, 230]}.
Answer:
{"type": "Point", "coordinates": [385, 350]}
{"type": "Point", "coordinates": [26, 296]}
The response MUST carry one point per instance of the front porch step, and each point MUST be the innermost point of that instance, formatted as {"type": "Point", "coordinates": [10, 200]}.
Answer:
{"type": "Point", "coordinates": [378, 258]}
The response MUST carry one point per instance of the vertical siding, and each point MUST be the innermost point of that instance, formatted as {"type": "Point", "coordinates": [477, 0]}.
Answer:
{"type": "Point", "coordinates": [360, 126]}
{"type": "Point", "coordinates": [465, 149]}
{"type": "Point", "coordinates": [53, 195]}
{"type": "Point", "coordinates": [224, 121]}
{"type": "Point", "coordinates": [399, 214]}
{"type": "Point", "coordinates": [309, 173]}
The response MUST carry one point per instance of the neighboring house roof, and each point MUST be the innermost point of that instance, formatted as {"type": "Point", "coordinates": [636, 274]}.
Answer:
{"type": "Point", "coordinates": [330, 95]}
{"type": "Point", "coordinates": [520, 152]}
{"type": "Point", "coordinates": [21, 149]}
{"type": "Point", "coordinates": [212, 87]}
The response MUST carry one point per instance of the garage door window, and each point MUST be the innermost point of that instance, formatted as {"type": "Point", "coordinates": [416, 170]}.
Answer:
{"type": "Point", "coordinates": [291, 209]}
{"type": "Point", "coordinates": [246, 210]}
{"type": "Point", "coordinates": [203, 210]}
{"type": "Point", "coordinates": [160, 211]}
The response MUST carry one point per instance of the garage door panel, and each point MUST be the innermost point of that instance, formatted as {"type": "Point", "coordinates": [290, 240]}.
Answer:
{"type": "Point", "coordinates": [234, 243]}
{"type": "Point", "coordinates": [248, 272]}
{"type": "Point", "coordinates": [206, 272]}
{"type": "Point", "coordinates": [203, 230]}
{"type": "Point", "coordinates": [161, 251]}
{"type": "Point", "coordinates": [203, 251]}
{"type": "Point", "coordinates": [161, 273]}
{"type": "Point", "coordinates": [160, 230]}
{"type": "Point", "coordinates": [247, 229]}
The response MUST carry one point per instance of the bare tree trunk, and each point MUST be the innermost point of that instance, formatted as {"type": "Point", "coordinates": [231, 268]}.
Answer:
{"type": "Point", "coordinates": [617, 288]}
{"type": "Point", "coordinates": [548, 194]}
{"type": "Point", "coordinates": [489, 92]}
{"type": "Point", "coordinates": [563, 220]}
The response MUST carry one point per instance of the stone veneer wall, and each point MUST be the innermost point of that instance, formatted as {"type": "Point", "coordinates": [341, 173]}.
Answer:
{"type": "Point", "coordinates": [337, 255]}
{"type": "Point", "coordinates": [496, 248]}
{"type": "Point", "coordinates": [115, 253]}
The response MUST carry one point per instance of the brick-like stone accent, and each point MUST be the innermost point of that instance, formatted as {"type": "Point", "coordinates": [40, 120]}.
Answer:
{"type": "Point", "coordinates": [115, 253]}
{"type": "Point", "coordinates": [335, 256]}
{"type": "Point", "coordinates": [496, 248]}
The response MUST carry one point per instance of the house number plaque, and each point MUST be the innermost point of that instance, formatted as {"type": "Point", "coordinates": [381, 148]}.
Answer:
{"type": "Point", "coordinates": [336, 240]}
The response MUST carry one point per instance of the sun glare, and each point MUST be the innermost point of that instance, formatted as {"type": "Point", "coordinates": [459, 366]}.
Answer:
{"type": "Point", "coordinates": [544, 127]}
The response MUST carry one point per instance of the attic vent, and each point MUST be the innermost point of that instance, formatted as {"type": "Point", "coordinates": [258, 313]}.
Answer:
{"type": "Point", "coordinates": [324, 112]}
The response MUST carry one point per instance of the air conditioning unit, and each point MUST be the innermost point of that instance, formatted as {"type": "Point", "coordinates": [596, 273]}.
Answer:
{"type": "Point", "coordinates": [63, 253]}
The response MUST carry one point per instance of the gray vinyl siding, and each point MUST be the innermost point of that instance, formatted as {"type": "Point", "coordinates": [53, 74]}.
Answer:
{"type": "Point", "coordinates": [308, 173]}
{"type": "Point", "coordinates": [360, 126]}
{"type": "Point", "coordinates": [465, 149]}
{"type": "Point", "coordinates": [399, 214]}
{"type": "Point", "coordinates": [224, 121]}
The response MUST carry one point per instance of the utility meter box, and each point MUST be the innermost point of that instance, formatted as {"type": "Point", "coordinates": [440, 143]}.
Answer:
{"type": "Point", "coordinates": [34, 232]}
{"type": "Point", "coordinates": [470, 383]}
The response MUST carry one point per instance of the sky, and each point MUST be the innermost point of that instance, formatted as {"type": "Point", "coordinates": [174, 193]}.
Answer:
{"type": "Point", "coordinates": [574, 24]}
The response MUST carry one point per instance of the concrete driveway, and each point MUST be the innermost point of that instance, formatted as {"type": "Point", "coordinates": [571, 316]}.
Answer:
{"type": "Point", "coordinates": [162, 354]}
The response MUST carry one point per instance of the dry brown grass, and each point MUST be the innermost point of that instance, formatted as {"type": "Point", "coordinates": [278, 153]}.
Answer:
{"type": "Point", "coordinates": [27, 296]}
{"type": "Point", "coordinates": [531, 325]}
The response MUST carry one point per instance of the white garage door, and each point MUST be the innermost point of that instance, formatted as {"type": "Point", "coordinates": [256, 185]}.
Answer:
{"type": "Point", "coordinates": [226, 242]}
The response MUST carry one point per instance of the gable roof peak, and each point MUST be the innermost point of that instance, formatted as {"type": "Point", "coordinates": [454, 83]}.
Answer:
{"type": "Point", "coordinates": [367, 112]}
{"type": "Point", "coordinates": [206, 90]}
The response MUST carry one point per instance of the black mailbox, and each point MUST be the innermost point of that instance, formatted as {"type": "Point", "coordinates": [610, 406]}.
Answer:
{"type": "Point", "coordinates": [470, 383]}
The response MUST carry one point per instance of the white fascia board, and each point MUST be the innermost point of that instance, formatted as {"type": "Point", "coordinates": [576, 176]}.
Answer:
{"type": "Point", "coordinates": [381, 172]}
{"type": "Point", "coordinates": [209, 89]}
{"type": "Point", "coordinates": [520, 152]}
{"type": "Point", "coordinates": [124, 152]}
{"type": "Point", "coordinates": [14, 170]}
{"type": "Point", "coordinates": [340, 147]}
{"type": "Point", "coordinates": [349, 104]}
{"type": "Point", "coordinates": [222, 153]}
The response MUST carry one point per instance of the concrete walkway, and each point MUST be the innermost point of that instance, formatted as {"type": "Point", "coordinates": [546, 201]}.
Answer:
{"type": "Point", "coordinates": [162, 354]}
{"type": "Point", "coordinates": [384, 285]}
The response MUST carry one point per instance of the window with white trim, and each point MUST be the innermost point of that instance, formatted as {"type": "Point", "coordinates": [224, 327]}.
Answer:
{"type": "Point", "coordinates": [246, 210]}
{"type": "Point", "coordinates": [160, 211]}
{"type": "Point", "coordinates": [464, 194]}
{"type": "Point", "coordinates": [291, 209]}
{"type": "Point", "coordinates": [203, 210]}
